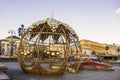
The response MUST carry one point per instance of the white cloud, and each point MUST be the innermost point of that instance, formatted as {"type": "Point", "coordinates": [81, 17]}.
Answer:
{"type": "Point", "coordinates": [117, 11]}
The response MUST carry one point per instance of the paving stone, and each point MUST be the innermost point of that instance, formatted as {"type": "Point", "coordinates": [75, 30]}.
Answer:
{"type": "Point", "coordinates": [15, 73]}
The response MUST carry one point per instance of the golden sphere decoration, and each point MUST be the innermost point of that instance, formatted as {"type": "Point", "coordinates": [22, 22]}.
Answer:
{"type": "Point", "coordinates": [49, 47]}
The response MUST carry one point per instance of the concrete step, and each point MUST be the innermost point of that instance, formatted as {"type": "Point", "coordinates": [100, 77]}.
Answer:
{"type": "Point", "coordinates": [3, 76]}
{"type": "Point", "coordinates": [2, 67]}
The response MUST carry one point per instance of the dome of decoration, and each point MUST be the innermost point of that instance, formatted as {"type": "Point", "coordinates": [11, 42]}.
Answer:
{"type": "Point", "coordinates": [49, 47]}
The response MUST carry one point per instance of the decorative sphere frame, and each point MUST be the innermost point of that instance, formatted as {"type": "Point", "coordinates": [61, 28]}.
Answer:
{"type": "Point", "coordinates": [49, 47]}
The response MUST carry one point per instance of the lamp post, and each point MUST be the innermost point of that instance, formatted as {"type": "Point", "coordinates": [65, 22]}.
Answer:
{"type": "Point", "coordinates": [11, 32]}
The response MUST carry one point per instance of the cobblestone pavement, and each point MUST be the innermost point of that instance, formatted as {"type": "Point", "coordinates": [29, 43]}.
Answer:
{"type": "Point", "coordinates": [15, 73]}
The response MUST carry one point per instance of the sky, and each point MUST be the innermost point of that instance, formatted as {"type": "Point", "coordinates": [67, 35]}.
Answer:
{"type": "Point", "coordinates": [95, 20]}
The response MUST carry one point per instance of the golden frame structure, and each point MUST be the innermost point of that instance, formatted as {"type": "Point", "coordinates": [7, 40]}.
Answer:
{"type": "Point", "coordinates": [49, 47]}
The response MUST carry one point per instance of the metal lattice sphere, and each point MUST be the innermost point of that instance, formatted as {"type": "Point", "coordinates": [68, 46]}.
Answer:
{"type": "Point", "coordinates": [49, 47]}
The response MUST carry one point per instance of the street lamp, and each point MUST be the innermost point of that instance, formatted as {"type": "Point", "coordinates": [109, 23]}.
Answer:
{"type": "Point", "coordinates": [11, 32]}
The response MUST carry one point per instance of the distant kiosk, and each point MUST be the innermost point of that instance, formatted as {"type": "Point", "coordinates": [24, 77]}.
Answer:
{"type": "Point", "coordinates": [49, 47]}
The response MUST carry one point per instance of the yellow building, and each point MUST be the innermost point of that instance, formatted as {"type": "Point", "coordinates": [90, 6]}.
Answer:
{"type": "Point", "coordinates": [90, 47]}
{"type": "Point", "coordinates": [86, 48]}
{"type": "Point", "coordinates": [114, 49]}
{"type": "Point", "coordinates": [9, 45]}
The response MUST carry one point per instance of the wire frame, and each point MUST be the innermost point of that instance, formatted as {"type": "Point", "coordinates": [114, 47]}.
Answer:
{"type": "Point", "coordinates": [49, 47]}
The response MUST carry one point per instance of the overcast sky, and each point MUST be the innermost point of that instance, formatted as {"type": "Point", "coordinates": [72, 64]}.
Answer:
{"type": "Point", "coordinates": [96, 20]}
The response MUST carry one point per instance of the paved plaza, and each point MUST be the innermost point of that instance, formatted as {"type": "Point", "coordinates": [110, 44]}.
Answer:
{"type": "Point", "coordinates": [15, 73]}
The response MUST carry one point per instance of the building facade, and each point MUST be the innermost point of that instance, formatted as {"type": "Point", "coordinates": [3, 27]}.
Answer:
{"type": "Point", "coordinates": [91, 47]}
{"type": "Point", "coordinates": [9, 46]}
